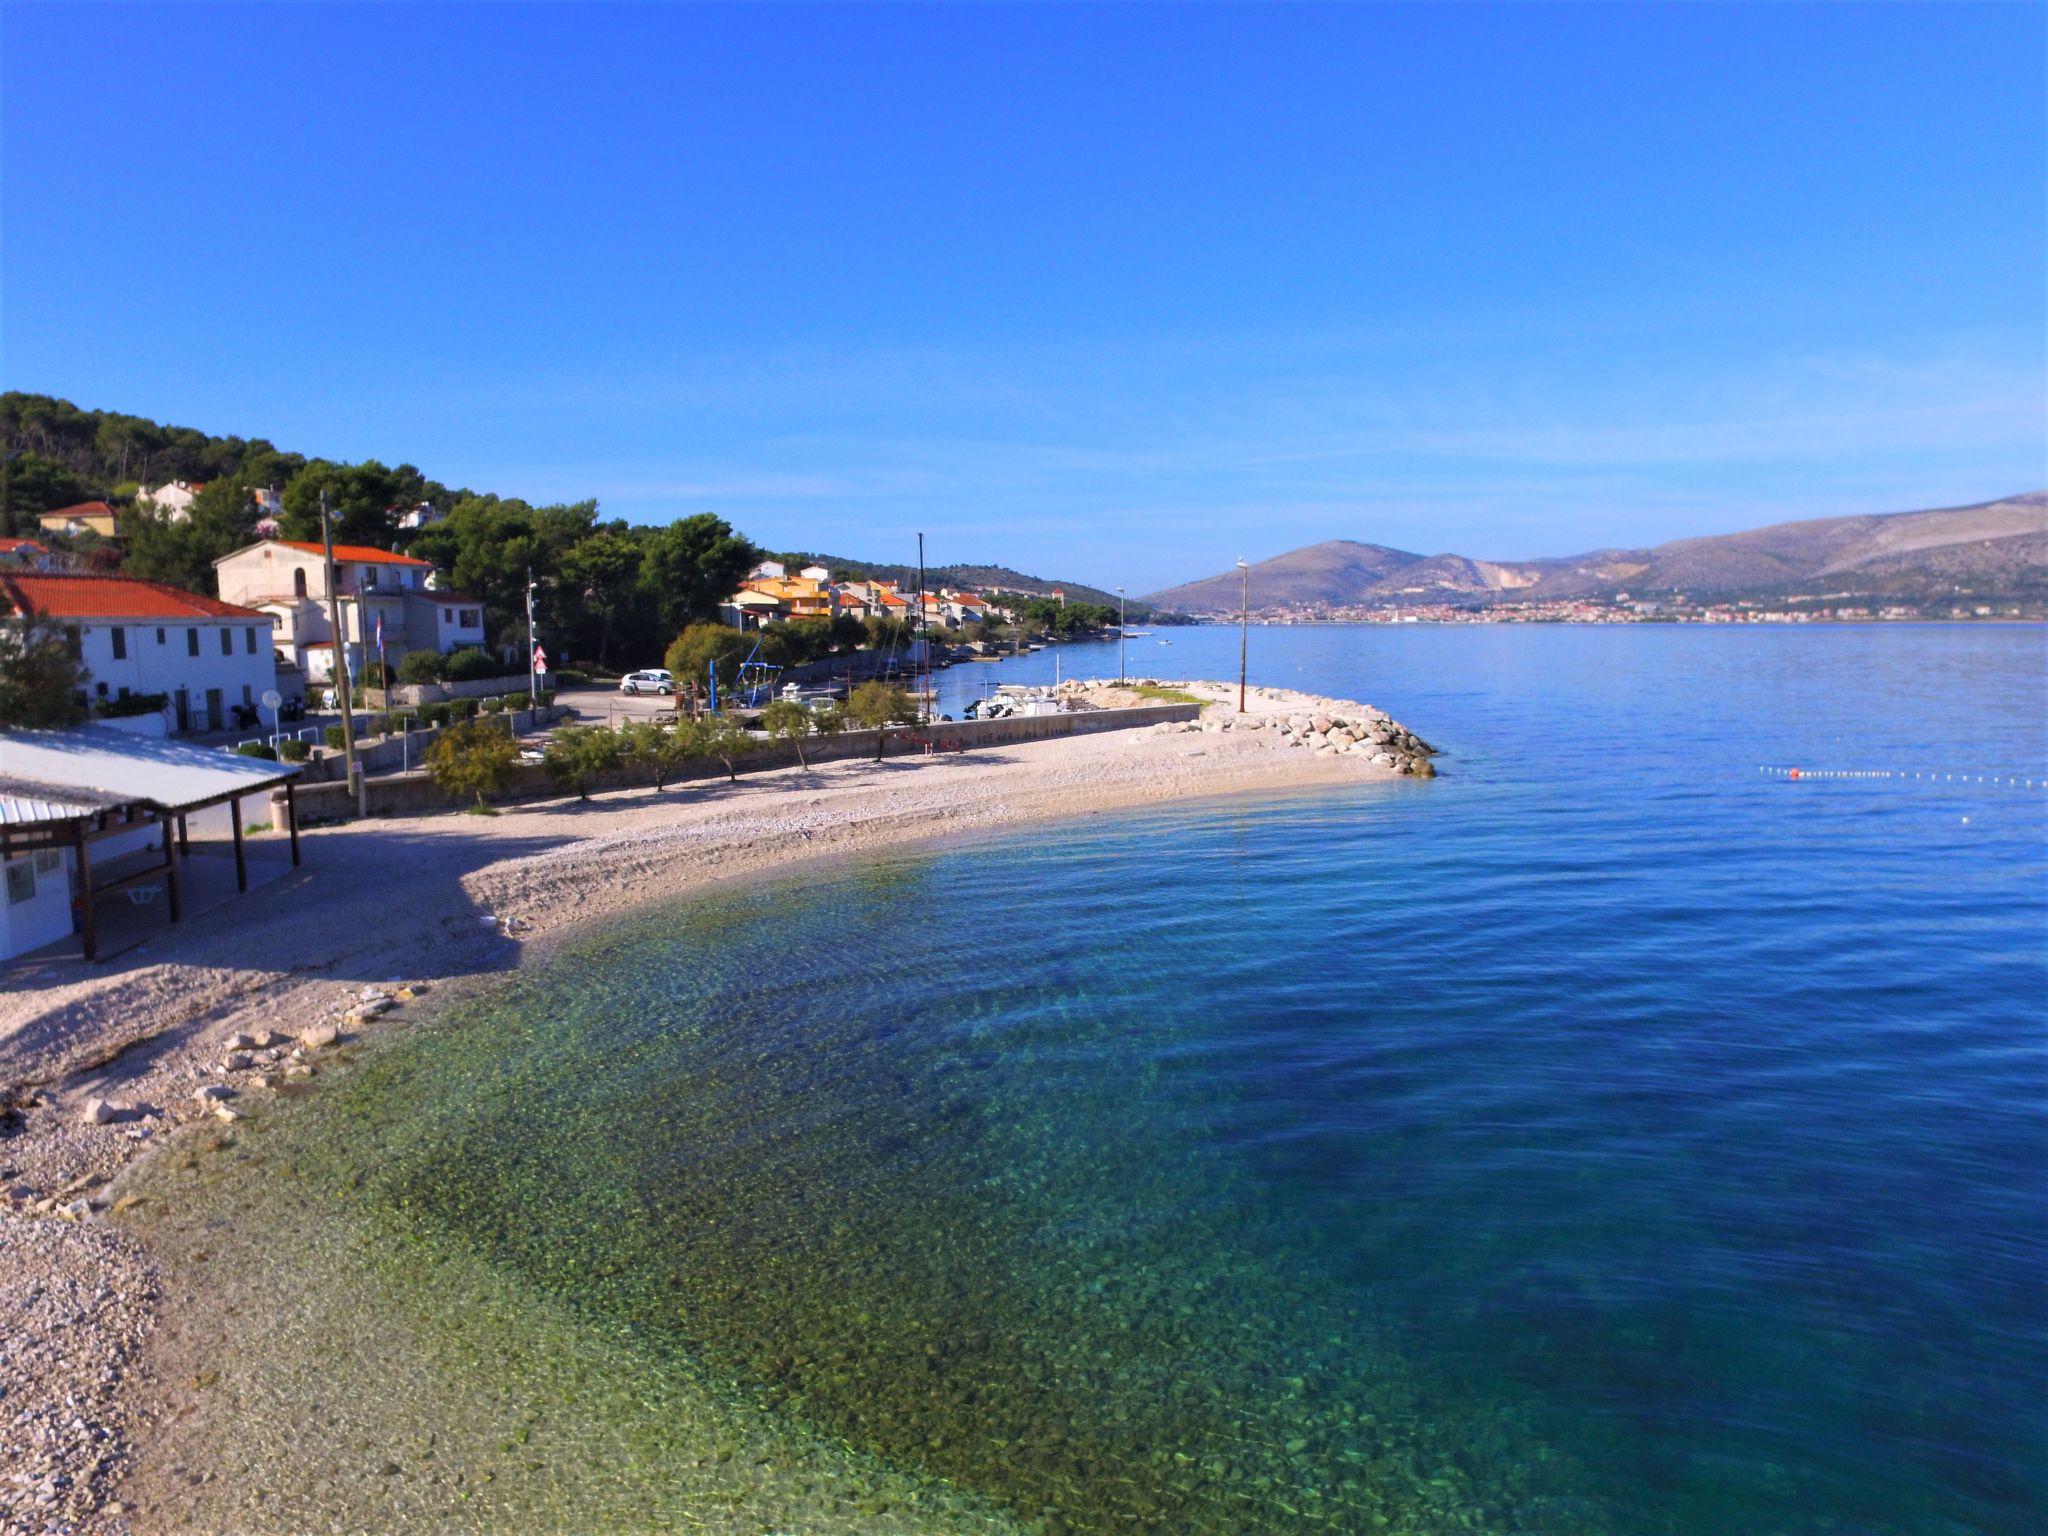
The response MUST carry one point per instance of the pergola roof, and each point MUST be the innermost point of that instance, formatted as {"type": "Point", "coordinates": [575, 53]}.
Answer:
{"type": "Point", "coordinates": [48, 776]}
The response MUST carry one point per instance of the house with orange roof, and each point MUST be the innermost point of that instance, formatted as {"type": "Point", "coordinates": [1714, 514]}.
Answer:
{"type": "Point", "coordinates": [148, 639]}
{"type": "Point", "coordinates": [288, 580]}
{"type": "Point", "coordinates": [17, 554]}
{"type": "Point", "coordinates": [83, 517]}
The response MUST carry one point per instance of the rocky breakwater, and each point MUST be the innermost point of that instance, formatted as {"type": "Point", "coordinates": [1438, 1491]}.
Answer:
{"type": "Point", "coordinates": [1288, 721]}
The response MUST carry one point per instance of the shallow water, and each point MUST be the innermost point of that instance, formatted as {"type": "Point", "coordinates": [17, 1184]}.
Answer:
{"type": "Point", "coordinates": [1606, 1136]}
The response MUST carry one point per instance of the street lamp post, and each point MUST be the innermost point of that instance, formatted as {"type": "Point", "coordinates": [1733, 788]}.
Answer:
{"type": "Point", "coordinates": [1119, 634]}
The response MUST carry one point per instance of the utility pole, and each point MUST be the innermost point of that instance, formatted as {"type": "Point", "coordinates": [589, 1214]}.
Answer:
{"type": "Point", "coordinates": [924, 631]}
{"type": "Point", "coordinates": [1244, 629]}
{"type": "Point", "coordinates": [1119, 634]}
{"type": "Point", "coordinates": [356, 788]}
{"type": "Point", "coordinates": [532, 640]}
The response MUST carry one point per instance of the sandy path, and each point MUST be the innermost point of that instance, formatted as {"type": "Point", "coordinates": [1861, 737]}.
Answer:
{"type": "Point", "coordinates": [428, 899]}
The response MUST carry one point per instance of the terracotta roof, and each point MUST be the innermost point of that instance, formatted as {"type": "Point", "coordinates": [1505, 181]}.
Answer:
{"type": "Point", "coordinates": [83, 509]}
{"type": "Point", "coordinates": [10, 546]}
{"type": "Point", "coordinates": [354, 554]}
{"type": "Point", "coordinates": [112, 597]}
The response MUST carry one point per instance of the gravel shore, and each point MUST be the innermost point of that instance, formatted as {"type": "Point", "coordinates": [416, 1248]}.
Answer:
{"type": "Point", "coordinates": [101, 1064]}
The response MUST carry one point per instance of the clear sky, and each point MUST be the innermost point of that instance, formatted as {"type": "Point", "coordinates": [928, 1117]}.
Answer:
{"type": "Point", "coordinates": [1114, 294]}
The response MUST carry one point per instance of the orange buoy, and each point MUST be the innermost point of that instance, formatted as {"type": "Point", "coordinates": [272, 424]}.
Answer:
{"type": "Point", "coordinates": [1795, 773]}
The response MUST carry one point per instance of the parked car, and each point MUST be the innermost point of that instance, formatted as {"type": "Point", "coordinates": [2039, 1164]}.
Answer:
{"type": "Point", "coordinates": [653, 680]}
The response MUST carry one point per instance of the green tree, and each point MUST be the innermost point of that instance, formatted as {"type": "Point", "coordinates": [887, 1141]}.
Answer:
{"type": "Point", "coordinates": [660, 749]}
{"type": "Point", "coordinates": [577, 754]}
{"type": "Point", "coordinates": [716, 736]}
{"type": "Point", "coordinates": [688, 568]}
{"type": "Point", "coordinates": [604, 572]}
{"type": "Point", "coordinates": [876, 705]}
{"type": "Point", "coordinates": [475, 757]}
{"type": "Point", "coordinates": [699, 647]}
{"type": "Point", "coordinates": [787, 720]}
{"type": "Point", "coordinates": [42, 682]}
{"type": "Point", "coordinates": [363, 500]}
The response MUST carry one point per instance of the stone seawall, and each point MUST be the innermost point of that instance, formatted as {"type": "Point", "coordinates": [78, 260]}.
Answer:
{"type": "Point", "coordinates": [415, 794]}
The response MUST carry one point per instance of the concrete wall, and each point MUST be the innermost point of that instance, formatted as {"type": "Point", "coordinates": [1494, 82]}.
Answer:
{"type": "Point", "coordinates": [403, 694]}
{"type": "Point", "coordinates": [414, 794]}
{"type": "Point", "coordinates": [394, 753]}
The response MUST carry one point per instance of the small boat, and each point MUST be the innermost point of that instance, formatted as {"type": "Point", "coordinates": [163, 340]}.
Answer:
{"type": "Point", "coordinates": [1137, 634]}
{"type": "Point", "coordinates": [1166, 642]}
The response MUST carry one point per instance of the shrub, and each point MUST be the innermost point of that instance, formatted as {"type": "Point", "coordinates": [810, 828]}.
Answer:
{"type": "Point", "coordinates": [422, 667]}
{"type": "Point", "coordinates": [337, 738]}
{"type": "Point", "coordinates": [567, 679]}
{"type": "Point", "coordinates": [376, 674]}
{"type": "Point", "coordinates": [470, 665]}
{"type": "Point", "coordinates": [494, 705]}
{"type": "Point", "coordinates": [545, 696]}
{"type": "Point", "coordinates": [261, 749]}
{"type": "Point", "coordinates": [134, 704]}
{"type": "Point", "coordinates": [578, 754]}
{"type": "Point", "coordinates": [434, 714]}
{"type": "Point", "coordinates": [294, 751]}
{"type": "Point", "coordinates": [474, 758]}
{"type": "Point", "coordinates": [462, 709]}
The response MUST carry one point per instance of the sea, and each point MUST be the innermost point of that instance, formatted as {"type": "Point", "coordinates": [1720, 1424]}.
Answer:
{"type": "Point", "coordinates": [1639, 1128]}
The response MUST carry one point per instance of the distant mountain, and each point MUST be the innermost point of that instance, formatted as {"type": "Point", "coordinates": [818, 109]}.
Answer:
{"type": "Point", "coordinates": [1993, 551]}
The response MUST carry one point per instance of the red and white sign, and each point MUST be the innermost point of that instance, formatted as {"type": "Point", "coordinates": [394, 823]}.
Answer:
{"type": "Point", "coordinates": [540, 659]}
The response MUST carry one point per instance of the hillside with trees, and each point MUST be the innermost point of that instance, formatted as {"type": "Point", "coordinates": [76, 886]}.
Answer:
{"type": "Point", "coordinates": [611, 592]}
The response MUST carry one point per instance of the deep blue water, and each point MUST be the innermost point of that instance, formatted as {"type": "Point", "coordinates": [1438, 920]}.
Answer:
{"type": "Point", "coordinates": [1605, 1136]}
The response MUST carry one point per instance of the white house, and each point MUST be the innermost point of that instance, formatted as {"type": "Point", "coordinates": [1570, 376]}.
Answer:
{"type": "Point", "coordinates": [173, 499]}
{"type": "Point", "coordinates": [149, 638]}
{"type": "Point", "coordinates": [289, 582]}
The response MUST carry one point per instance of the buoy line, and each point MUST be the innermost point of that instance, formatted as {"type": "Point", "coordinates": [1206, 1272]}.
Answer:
{"type": "Point", "coordinates": [1924, 776]}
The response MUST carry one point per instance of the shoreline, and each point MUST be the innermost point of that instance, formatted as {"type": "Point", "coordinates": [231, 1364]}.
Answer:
{"type": "Point", "coordinates": [447, 901]}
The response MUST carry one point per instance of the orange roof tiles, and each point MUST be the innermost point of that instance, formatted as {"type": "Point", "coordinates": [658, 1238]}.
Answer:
{"type": "Point", "coordinates": [356, 554]}
{"type": "Point", "coordinates": [112, 597]}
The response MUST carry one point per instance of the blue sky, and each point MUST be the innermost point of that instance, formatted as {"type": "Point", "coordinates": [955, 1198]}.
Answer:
{"type": "Point", "coordinates": [1115, 294]}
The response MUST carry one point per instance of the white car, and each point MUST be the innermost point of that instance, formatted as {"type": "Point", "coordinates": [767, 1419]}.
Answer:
{"type": "Point", "coordinates": [653, 680]}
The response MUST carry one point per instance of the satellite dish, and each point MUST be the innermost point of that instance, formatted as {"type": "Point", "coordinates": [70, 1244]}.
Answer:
{"type": "Point", "coordinates": [272, 698]}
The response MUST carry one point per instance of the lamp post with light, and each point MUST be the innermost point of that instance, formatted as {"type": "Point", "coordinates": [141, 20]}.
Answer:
{"type": "Point", "coordinates": [1119, 634]}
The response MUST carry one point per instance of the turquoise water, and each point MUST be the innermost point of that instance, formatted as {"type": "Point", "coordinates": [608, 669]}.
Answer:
{"type": "Point", "coordinates": [1605, 1137]}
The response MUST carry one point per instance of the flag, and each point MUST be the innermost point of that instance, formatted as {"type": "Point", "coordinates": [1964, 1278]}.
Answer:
{"type": "Point", "coordinates": [380, 632]}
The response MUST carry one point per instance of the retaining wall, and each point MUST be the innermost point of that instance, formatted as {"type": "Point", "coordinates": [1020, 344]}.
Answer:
{"type": "Point", "coordinates": [414, 794]}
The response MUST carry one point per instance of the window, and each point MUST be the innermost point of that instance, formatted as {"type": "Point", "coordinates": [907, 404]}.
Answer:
{"type": "Point", "coordinates": [369, 581]}
{"type": "Point", "coordinates": [252, 639]}
{"type": "Point", "coordinates": [21, 882]}
{"type": "Point", "coordinates": [74, 642]}
{"type": "Point", "coordinates": [447, 615]}
{"type": "Point", "coordinates": [247, 696]}
{"type": "Point", "coordinates": [227, 642]}
{"type": "Point", "coordinates": [470, 619]}
{"type": "Point", "coordinates": [299, 582]}
{"type": "Point", "coordinates": [120, 643]}
{"type": "Point", "coordinates": [159, 635]}
{"type": "Point", "coordinates": [192, 641]}
{"type": "Point", "coordinates": [48, 861]}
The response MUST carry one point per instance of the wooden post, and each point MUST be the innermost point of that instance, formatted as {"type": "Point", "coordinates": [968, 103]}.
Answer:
{"type": "Point", "coordinates": [241, 864]}
{"type": "Point", "coordinates": [291, 816]}
{"type": "Point", "coordinates": [171, 871]}
{"type": "Point", "coordinates": [184, 837]}
{"type": "Point", "coordinates": [83, 850]}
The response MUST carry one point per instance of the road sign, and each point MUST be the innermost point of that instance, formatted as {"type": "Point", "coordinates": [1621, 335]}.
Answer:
{"type": "Point", "coordinates": [272, 698]}
{"type": "Point", "coordinates": [540, 659]}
